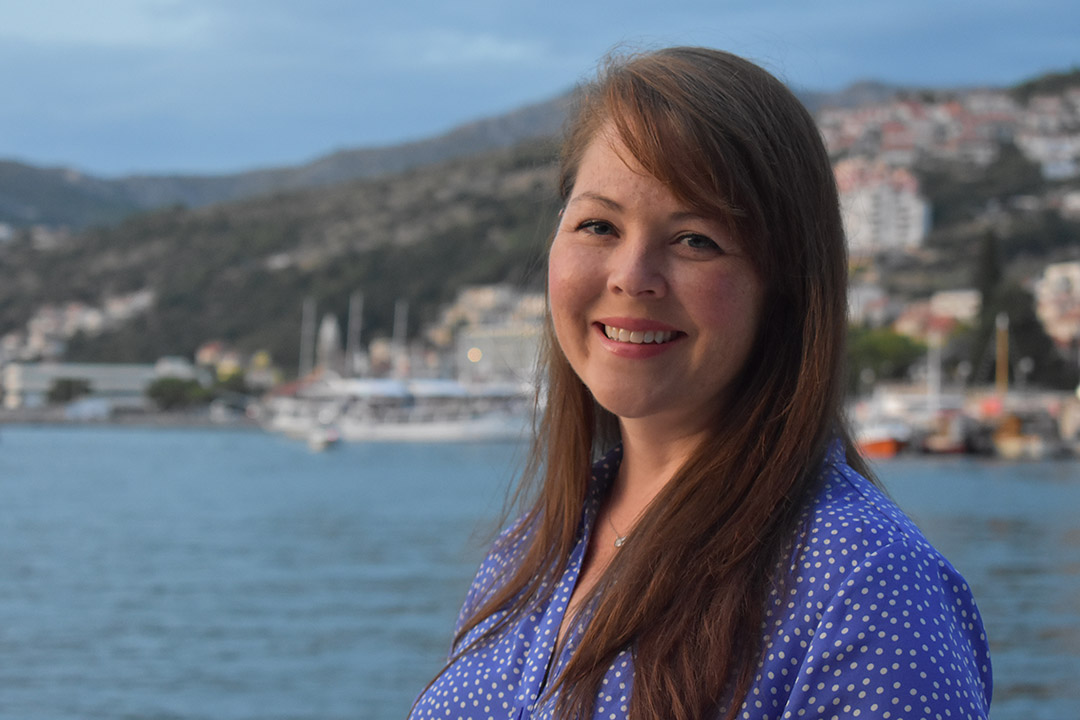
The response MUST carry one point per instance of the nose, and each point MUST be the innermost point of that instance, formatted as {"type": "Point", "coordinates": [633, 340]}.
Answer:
{"type": "Point", "coordinates": [637, 270]}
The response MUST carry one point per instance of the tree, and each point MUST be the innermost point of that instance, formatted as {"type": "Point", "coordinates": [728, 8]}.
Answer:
{"type": "Point", "coordinates": [1027, 339]}
{"type": "Point", "coordinates": [988, 274]}
{"type": "Point", "coordinates": [886, 354]}
{"type": "Point", "coordinates": [64, 390]}
{"type": "Point", "coordinates": [171, 393]}
{"type": "Point", "coordinates": [233, 383]}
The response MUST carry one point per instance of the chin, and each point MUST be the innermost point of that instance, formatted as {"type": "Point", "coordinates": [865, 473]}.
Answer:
{"type": "Point", "coordinates": [625, 409]}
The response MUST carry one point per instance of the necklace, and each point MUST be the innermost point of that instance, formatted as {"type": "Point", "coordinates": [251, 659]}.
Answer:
{"type": "Point", "coordinates": [620, 540]}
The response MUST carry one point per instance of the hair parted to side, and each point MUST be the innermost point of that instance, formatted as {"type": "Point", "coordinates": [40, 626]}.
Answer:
{"type": "Point", "coordinates": [732, 142]}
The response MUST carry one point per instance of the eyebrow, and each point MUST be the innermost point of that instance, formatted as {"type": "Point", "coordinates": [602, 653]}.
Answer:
{"type": "Point", "coordinates": [613, 205]}
{"type": "Point", "coordinates": [596, 197]}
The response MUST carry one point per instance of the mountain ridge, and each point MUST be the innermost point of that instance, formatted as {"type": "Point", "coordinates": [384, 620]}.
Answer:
{"type": "Point", "coordinates": [60, 196]}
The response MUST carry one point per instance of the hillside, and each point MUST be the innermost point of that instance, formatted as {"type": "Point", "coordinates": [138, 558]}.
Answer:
{"type": "Point", "coordinates": [63, 197]}
{"type": "Point", "coordinates": [239, 272]}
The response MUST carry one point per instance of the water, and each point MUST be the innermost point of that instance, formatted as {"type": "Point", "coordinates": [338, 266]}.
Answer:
{"type": "Point", "coordinates": [167, 575]}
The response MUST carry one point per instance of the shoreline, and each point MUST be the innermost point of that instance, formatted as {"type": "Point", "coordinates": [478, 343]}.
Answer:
{"type": "Point", "coordinates": [155, 419]}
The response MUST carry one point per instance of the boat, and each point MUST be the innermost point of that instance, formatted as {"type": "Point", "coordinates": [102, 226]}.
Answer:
{"type": "Point", "coordinates": [1027, 436]}
{"type": "Point", "coordinates": [882, 438]}
{"type": "Point", "coordinates": [322, 438]}
{"type": "Point", "coordinates": [951, 432]}
{"type": "Point", "coordinates": [396, 410]}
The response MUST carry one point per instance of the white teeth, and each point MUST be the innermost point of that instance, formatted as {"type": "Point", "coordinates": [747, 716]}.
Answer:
{"type": "Point", "coordinates": [638, 337]}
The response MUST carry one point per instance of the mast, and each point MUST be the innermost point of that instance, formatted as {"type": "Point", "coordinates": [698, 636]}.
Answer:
{"type": "Point", "coordinates": [352, 336]}
{"type": "Point", "coordinates": [1001, 383]}
{"type": "Point", "coordinates": [933, 373]}
{"type": "Point", "coordinates": [307, 338]}
{"type": "Point", "coordinates": [399, 358]}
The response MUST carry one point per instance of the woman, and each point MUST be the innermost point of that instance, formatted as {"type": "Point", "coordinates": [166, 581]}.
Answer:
{"type": "Point", "coordinates": [726, 556]}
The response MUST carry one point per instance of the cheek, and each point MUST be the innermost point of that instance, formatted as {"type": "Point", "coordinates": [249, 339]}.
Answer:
{"type": "Point", "coordinates": [565, 282]}
{"type": "Point", "coordinates": [732, 312]}
{"type": "Point", "coordinates": [571, 291]}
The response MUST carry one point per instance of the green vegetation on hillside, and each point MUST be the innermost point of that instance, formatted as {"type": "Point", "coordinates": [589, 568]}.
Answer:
{"type": "Point", "coordinates": [1049, 84]}
{"type": "Point", "coordinates": [240, 272]}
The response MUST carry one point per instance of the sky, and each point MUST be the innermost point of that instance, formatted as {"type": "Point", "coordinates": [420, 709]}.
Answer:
{"type": "Point", "coordinates": [116, 87]}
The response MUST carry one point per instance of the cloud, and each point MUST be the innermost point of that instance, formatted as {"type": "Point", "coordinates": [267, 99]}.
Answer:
{"type": "Point", "coordinates": [454, 49]}
{"type": "Point", "coordinates": [111, 24]}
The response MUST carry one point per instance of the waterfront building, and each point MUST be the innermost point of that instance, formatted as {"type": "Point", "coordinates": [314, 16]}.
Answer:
{"type": "Point", "coordinates": [491, 353]}
{"type": "Point", "coordinates": [27, 385]}
{"type": "Point", "coordinates": [493, 332]}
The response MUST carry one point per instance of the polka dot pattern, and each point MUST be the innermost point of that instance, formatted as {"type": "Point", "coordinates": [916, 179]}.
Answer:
{"type": "Point", "coordinates": [867, 620]}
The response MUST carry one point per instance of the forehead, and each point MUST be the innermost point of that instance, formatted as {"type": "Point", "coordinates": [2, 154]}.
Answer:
{"type": "Point", "coordinates": [609, 175]}
{"type": "Point", "coordinates": [607, 165]}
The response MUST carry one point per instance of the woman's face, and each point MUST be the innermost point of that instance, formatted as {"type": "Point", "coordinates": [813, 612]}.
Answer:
{"type": "Point", "coordinates": [655, 306]}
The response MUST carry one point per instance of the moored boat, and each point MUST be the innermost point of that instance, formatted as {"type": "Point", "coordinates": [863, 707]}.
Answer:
{"type": "Point", "coordinates": [882, 438]}
{"type": "Point", "coordinates": [391, 410]}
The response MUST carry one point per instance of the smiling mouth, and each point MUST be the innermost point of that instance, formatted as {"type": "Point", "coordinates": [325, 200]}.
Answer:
{"type": "Point", "coordinates": [638, 337]}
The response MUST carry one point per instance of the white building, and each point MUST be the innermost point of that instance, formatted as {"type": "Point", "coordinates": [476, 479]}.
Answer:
{"type": "Point", "coordinates": [1057, 296]}
{"type": "Point", "coordinates": [494, 331]}
{"type": "Point", "coordinates": [869, 305]}
{"type": "Point", "coordinates": [960, 305]}
{"type": "Point", "coordinates": [26, 385]}
{"type": "Point", "coordinates": [506, 352]}
{"type": "Point", "coordinates": [882, 207]}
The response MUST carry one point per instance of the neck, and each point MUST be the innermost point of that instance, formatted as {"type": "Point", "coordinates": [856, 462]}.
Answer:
{"type": "Point", "coordinates": [651, 457]}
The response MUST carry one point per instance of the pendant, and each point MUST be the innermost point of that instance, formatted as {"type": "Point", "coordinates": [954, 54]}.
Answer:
{"type": "Point", "coordinates": [620, 541]}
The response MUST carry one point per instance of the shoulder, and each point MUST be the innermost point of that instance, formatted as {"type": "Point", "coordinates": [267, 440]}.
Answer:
{"type": "Point", "coordinates": [500, 563]}
{"type": "Point", "coordinates": [508, 551]}
{"type": "Point", "coordinates": [857, 539]}
{"type": "Point", "coordinates": [869, 612]}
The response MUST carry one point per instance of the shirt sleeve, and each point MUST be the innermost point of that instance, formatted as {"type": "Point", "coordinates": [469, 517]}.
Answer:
{"type": "Point", "coordinates": [900, 638]}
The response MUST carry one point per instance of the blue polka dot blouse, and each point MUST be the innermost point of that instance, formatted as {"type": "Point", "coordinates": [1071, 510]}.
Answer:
{"type": "Point", "coordinates": [877, 624]}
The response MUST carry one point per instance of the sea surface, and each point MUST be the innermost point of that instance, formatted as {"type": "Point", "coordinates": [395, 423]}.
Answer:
{"type": "Point", "coordinates": [232, 575]}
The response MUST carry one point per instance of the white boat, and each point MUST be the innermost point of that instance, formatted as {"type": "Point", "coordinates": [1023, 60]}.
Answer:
{"type": "Point", "coordinates": [322, 438]}
{"type": "Point", "coordinates": [390, 410]}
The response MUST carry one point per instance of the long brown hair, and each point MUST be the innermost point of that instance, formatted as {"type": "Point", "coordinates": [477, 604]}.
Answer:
{"type": "Point", "coordinates": [689, 597]}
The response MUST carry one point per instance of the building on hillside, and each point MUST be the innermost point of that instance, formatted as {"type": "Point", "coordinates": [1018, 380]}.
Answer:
{"type": "Point", "coordinates": [960, 305]}
{"type": "Point", "coordinates": [870, 305]}
{"type": "Point", "coordinates": [1058, 155]}
{"type": "Point", "coordinates": [1057, 297]}
{"type": "Point", "coordinates": [505, 352]}
{"type": "Point", "coordinates": [493, 332]}
{"type": "Point", "coordinates": [939, 315]}
{"type": "Point", "coordinates": [882, 207]}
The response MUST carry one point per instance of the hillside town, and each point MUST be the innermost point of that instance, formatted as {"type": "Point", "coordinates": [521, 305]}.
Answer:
{"type": "Point", "coordinates": [489, 334]}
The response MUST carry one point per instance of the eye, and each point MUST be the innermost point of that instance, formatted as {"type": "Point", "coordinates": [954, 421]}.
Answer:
{"type": "Point", "coordinates": [695, 241]}
{"type": "Point", "coordinates": [597, 227]}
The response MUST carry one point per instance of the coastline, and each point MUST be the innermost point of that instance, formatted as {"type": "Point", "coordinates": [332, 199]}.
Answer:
{"type": "Point", "coordinates": [196, 419]}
